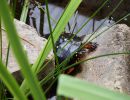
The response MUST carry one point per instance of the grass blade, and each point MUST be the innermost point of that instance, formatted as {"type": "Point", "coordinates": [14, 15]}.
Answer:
{"type": "Point", "coordinates": [98, 34]}
{"type": "Point", "coordinates": [50, 75]}
{"type": "Point", "coordinates": [25, 10]}
{"type": "Point", "coordinates": [63, 64]}
{"type": "Point", "coordinates": [7, 55]}
{"type": "Point", "coordinates": [71, 8]}
{"type": "Point", "coordinates": [117, 6]}
{"type": "Point", "coordinates": [95, 57]}
{"type": "Point", "coordinates": [81, 90]}
{"type": "Point", "coordinates": [92, 38]}
{"type": "Point", "coordinates": [0, 39]}
{"type": "Point", "coordinates": [1, 83]}
{"type": "Point", "coordinates": [86, 22]}
{"type": "Point", "coordinates": [51, 35]}
{"type": "Point", "coordinates": [10, 82]}
{"type": "Point", "coordinates": [44, 11]}
{"type": "Point", "coordinates": [19, 53]}
{"type": "Point", "coordinates": [56, 32]}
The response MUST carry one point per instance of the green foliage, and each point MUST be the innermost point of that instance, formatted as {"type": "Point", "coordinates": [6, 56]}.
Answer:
{"type": "Point", "coordinates": [70, 9]}
{"type": "Point", "coordinates": [50, 27]}
{"type": "Point", "coordinates": [19, 52]}
{"type": "Point", "coordinates": [82, 90]}
{"type": "Point", "coordinates": [10, 82]}
{"type": "Point", "coordinates": [25, 10]}
{"type": "Point", "coordinates": [29, 75]}
{"type": "Point", "coordinates": [68, 86]}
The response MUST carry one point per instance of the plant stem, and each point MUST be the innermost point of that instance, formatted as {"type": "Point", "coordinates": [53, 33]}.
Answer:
{"type": "Point", "coordinates": [7, 55]}
{"type": "Point", "coordinates": [0, 40]}
{"type": "Point", "coordinates": [25, 11]}
{"type": "Point", "coordinates": [1, 83]}
{"type": "Point", "coordinates": [40, 7]}
{"type": "Point", "coordinates": [95, 57]}
{"type": "Point", "coordinates": [91, 17]}
{"type": "Point", "coordinates": [50, 27]}
{"type": "Point", "coordinates": [105, 20]}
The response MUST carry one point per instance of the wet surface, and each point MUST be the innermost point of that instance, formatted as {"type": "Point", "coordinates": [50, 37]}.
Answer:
{"type": "Point", "coordinates": [87, 7]}
{"type": "Point", "coordinates": [73, 26]}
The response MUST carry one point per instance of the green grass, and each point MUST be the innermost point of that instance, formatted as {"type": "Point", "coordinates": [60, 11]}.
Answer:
{"type": "Point", "coordinates": [28, 73]}
{"type": "Point", "coordinates": [10, 82]}
{"type": "Point", "coordinates": [68, 86]}
{"type": "Point", "coordinates": [25, 11]}
{"type": "Point", "coordinates": [70, 9]}
{"type": "Point", "coordinates": [19, 52]}
{"type": "Point", "coordinates": [82, 90]}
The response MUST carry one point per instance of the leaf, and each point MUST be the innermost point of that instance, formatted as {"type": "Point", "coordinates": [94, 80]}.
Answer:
{"type": "Point", "coordinates": [25, 11]}
{"type": "Point", "coordinates": [10, 82]}
{"type": "Point", "coordinates": [82, 90]}
{"type": "Point", "coordinates": [70, 9]}
{"type": "Point", "coordinates": [19, 53]}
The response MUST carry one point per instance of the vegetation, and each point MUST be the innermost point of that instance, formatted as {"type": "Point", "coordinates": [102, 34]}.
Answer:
{"type": "Point", "coordinates": [68, 86]}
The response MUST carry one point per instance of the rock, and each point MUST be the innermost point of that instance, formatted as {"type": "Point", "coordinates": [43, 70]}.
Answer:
{"type": "Point", "coordinates": [53, 98]}
{"type": "Point", "coordinates": [32, 44]}
{"type": "Point", "coordinates": [111, 71]}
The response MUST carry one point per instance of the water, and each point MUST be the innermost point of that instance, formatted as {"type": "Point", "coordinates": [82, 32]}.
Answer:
{"type": "Point", "coordinates": [39, 20]}
{"type": "Point", "coordinates": [76, 21]}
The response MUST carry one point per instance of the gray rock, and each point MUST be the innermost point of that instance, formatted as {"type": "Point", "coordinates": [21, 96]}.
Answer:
{"type": "Point", "coordinates": [31, 42]}
{"type": "Point", "coordinates": [111, 71]}
{"type": "Point", "coordinates": [53, 98]}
